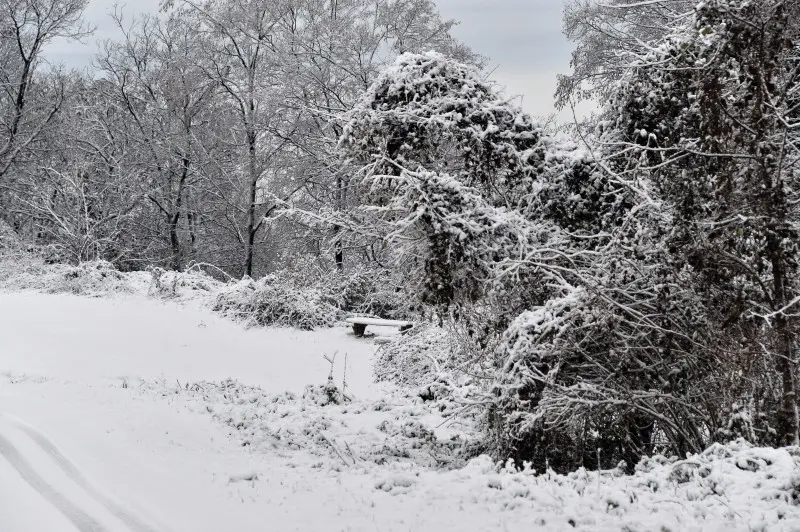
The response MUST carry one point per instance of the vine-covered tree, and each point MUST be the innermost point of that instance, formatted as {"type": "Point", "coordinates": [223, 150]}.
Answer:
{"type": "Point", "coordinates": [444, 159]}
{"type": "Point", "coordinates": [714, 113]}
{"type": "Point", "coordinates": [608, 272]}
{"type": "Point", "coordinates": [507, 228]}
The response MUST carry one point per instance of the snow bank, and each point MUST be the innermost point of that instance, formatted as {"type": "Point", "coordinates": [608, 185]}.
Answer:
{"type": "Point", "coordinates": [727, 487]}
{"type": "Point", "coordinates": [24, 269]}
{"type": "Point", "coordinates": [395, 442]}
{"type": "Point", "coordinates": [88, 278]}
{"type": "Point", "coordinates": [330, 430]}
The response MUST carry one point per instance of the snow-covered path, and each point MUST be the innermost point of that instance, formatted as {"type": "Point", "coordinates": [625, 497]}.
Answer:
{"type": "Point", "coordinates": [63, 485]}
{"type": "Point", "coordinates": [70, 367]}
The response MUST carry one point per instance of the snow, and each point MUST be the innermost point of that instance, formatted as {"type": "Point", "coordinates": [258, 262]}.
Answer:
{"type": "Point", "coordinates": [377, 321]}
{"type": "Point", "coordinates": [73, 338]}
{"type": "Point", "coordinates": [129, 414]}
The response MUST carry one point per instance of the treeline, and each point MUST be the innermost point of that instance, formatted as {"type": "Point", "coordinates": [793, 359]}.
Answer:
{"type": "Point", "coordinates": [188, 136]}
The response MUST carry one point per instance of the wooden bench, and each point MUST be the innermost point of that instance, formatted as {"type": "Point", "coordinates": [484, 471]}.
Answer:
{"type": "Point", "coordinates": [360, 324]}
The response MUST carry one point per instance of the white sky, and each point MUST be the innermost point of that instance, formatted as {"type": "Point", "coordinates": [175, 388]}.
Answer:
{"type": "Point", "coordinates": [522, 38]}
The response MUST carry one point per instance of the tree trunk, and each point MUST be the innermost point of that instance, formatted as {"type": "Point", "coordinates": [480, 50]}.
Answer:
{"type": "Point", "coordinates": [789, 419]}
{"type": "Point", "coordinates": [337, 230]}
{"type": "Point", "coordinates": [174, 237]}
{"type": "Point", "coordinates": [250, 229]}
{"type": "Point", "coordinates": [7, 152]}
{"type": "Point", "coordinates": [338, 257]}
{"type": "Point", "coordinates": [191, 224]}
{"type": "Point", "coordinates": [174, 241]}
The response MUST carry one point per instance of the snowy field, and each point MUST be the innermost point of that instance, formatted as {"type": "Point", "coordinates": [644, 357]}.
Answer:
{"type": "Point", "coordinates": [133, 414]}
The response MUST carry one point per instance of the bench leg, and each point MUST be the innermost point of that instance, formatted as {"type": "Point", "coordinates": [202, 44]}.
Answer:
{"type": "Point", "coordinates": [358, 329]}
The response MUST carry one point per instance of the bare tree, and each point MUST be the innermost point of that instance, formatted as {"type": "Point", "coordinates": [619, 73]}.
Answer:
{"type": "Point", "coordinates": [26, 27]}
{"type": "Point", "coordinates": [334, 51]}
{"type": "Point", "coordinates": [84, 189]}
{"type": "Point", "coordinates": [243, 58]}
{"type": "Point", "coordinates": [607, 35]}
{"type": "Point", "coordinates": [156, 80]}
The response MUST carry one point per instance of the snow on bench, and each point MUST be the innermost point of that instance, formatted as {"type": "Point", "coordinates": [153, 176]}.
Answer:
{"type": "Point", "coordinates": [360, 324]}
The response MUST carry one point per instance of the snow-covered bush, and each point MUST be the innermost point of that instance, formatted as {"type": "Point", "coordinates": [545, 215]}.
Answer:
{"type": "Point", "coordinates": [734, 487]}
{"type": "Point", "coordinates": [363, 290]}
{"type": "Point", "coordinates": [436, 365]}
{"type": "Point", "coordinates": [29, 267]}
{"type": "Point", "coordinates": [355, 432]}
{"type": "Point", "coordinates": [311, 298]}
{"type": "Point", "coordinates": [169, 284]}
{"type": "Point", "coordinates": [276, 299]}
{"type": "Point", "coordinates": [416, 358]}
{"type": "Point", "coordinates": [323, 394]}
{"type": "Point", "coordinates": [87, 278]}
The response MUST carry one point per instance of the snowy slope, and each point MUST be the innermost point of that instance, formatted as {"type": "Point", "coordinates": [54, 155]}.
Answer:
{"type": "Point", "coordinates": [115, 416]}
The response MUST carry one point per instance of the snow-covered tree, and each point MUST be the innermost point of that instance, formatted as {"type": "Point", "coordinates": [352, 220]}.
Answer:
{"type": "Point", "coordinates": [711, 114]}
{"type": "Point", "coordinates": [526, 239]}
{"type": "Point", "coordinates": [29, 100]}
{"type": "Point", "coordinates": [84, 195]}
{"type": "Point", "coordinates": [448, 165]}
{"type": "Point", "coordinates": [608, 33]}
{"type": "Point", "coordinates": [155, 82]}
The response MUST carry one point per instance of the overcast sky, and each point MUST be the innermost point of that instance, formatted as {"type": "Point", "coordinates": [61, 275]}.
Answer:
{"type": "Point", "coordinates": [522, 38]}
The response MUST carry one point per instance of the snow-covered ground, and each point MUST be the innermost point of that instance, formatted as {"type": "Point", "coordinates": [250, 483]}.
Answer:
{"type": "Point", "coordinates": [133, 414]}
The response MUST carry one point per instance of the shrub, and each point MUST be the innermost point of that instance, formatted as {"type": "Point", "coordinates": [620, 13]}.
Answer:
{"type": "Point", "coordinates": [29, 272]}
{"type": "Point", "coordinates": [438, 366]}
{"type": "Point", "coordinates": [416, 358]}
{"type": "Point", "coordinates": [276, 299]}
{"type": "Point", "coordinates": [364, 290]}
{"type": "Point", "coordinates": [168, 284]}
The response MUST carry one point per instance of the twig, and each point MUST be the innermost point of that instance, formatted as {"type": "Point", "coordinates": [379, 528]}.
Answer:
{"type": "Point", "coordinates": [344, 375]}
{"type": "Point", "coordinates": [336, 449]}
{"type": "Point", "coordinates": [331, 360]}
{"type": "Point", "coordinates": [200, 265]}
{"type": "Point", "coordinates": [352, 454]}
